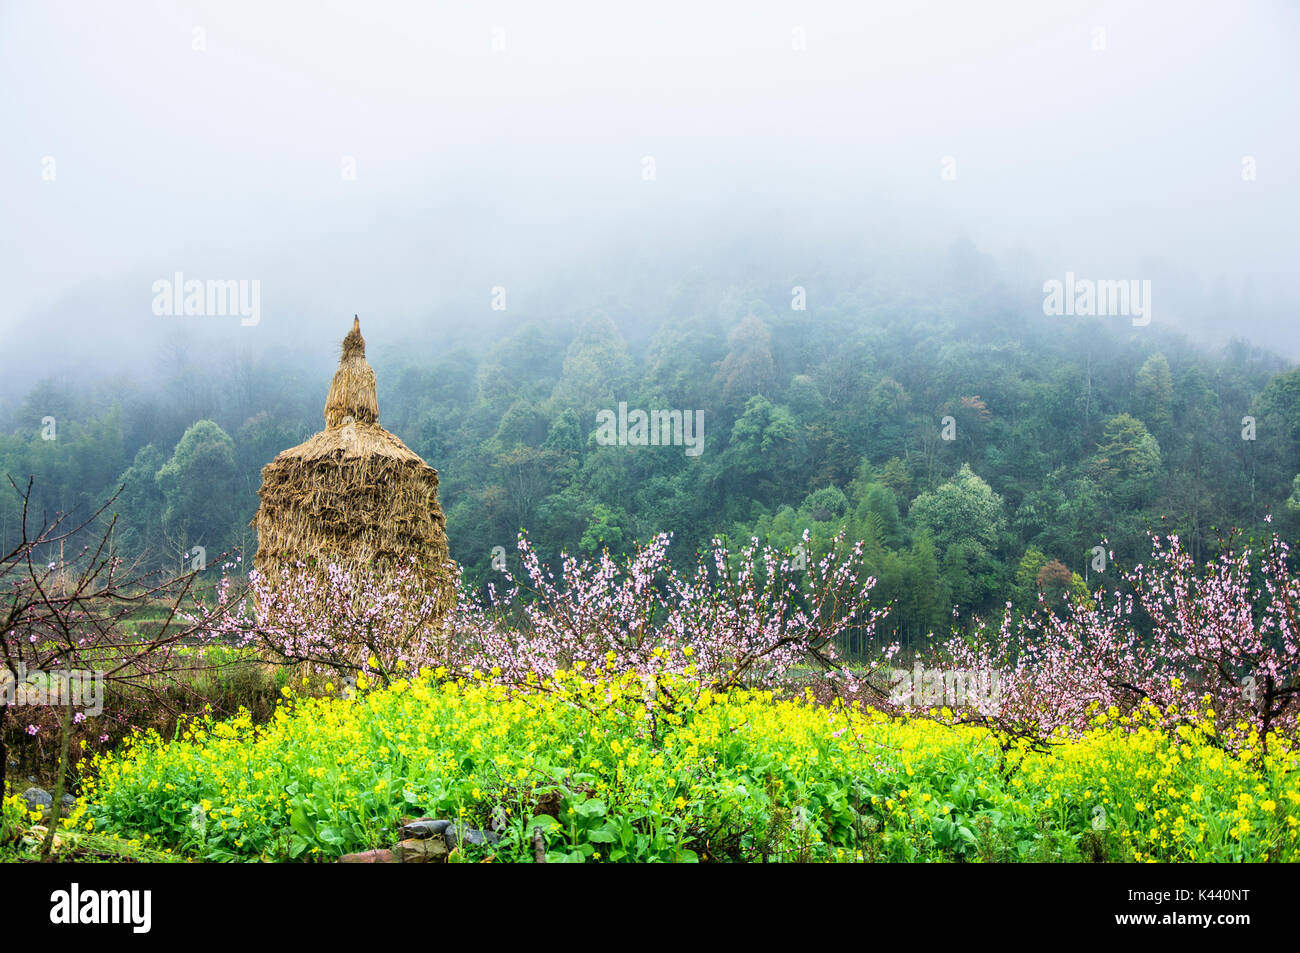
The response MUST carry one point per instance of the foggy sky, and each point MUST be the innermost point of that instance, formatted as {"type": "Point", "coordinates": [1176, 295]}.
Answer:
{"type": "Point", "coordinates": [522, 167]}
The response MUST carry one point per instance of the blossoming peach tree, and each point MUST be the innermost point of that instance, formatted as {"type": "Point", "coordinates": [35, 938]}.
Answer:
{"type": "Point", "coordinates": [345, 621]}
{"type": "Point", "coordinates": [736, 618]}
{"type": "Point", "coordinates": [72, 627]}
{"type": "Point", "coordinates": [1212, 644]}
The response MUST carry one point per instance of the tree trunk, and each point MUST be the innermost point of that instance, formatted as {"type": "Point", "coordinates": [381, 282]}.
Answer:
{"type": "Point", "coordinates": [56, 809]}
{"type": "Point", "coordinates": [4, 751]}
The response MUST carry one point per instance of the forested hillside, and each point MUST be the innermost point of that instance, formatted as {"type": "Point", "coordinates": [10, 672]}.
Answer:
{"type": "Point", "coordinates": [980, 448]}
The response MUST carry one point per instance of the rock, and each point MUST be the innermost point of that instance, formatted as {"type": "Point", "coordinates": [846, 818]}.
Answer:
{"type": "Point", "coordinates": [424, 827]}
{"type": "Point", "coordinates": [38, 799]}
{"type": "Point", "coordinates": [421, 850]}
{"type": "Point", "coordinates": [370, 857]}
{"type": "Point", "coordinates": [470, 835]}
{"type": "Point", "coordinates": [69, 801]}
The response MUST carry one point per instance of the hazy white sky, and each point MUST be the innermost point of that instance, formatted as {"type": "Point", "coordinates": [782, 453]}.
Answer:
{"type": "Point", "coordinates": [476, 166]}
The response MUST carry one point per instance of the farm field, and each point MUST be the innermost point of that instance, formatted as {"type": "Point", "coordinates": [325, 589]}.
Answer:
{"type": "Point", "coordinates": [741, 776]}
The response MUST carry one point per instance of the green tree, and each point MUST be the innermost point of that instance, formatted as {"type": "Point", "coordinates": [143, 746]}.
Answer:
{"type": "Point", "coordinates": [748, 369]}
{"type": "Point", "coordinates": [1128, 460]}
{"type": "Point", "coordinates": [596, 369]}
{"type": "Point", "coordinates": [604, 530]}
{"type": "Point", "coordinates": [898, 478]}
{"type": "Point", "coordinates": [880, 503]}
{"type": "Point", "coordinates": [199, 487]}
{"type": "Point", "coordinates": [140, 506]}
{"type": "Point", "coordinates": [1025, 588]}
{"type": "Point", "coordinates": [965, 509]}
{"type": "Point", "coordinates": [764, 449]}
{"type": "Point", "coordinates": [1155, 392]}
{"type": "Point", "coordinates": [922, 609]}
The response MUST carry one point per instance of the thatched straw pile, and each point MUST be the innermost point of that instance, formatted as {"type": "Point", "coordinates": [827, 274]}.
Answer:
{"type": "Point", "coordinates": [353, 494]}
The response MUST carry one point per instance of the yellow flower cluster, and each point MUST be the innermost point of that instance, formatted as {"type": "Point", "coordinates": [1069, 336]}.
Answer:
{"type": "Point", "coordinates": [616, 769]}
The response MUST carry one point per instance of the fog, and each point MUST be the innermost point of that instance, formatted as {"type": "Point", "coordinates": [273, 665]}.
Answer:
{"type": "Point", "coordinates": [506, 145]}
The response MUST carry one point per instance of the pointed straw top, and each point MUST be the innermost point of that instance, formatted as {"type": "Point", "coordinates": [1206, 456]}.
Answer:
{"type": "Point", "coordinates": [352, 392]}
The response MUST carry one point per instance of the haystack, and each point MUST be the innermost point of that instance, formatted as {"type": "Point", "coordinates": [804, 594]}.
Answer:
{"type": "Point", "coordinates": [353, 494]}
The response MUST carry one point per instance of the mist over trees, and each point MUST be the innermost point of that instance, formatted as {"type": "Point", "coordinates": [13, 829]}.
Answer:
{"type": "Point", "coordinates": [979, 448]}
